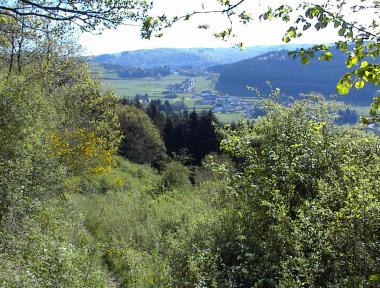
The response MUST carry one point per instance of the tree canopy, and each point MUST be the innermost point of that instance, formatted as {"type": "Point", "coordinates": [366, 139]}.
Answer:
{"type": "Point", "coordinates": [88, 15]}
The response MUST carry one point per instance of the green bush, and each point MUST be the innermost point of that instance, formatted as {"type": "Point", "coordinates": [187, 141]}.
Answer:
{"type": "Point", "coordinates": [141, 142]}
{"type": "Point", "coordinates": [151, 239]}
{"type": "Point", "coordinates": [175, 175]}
{"type": "Point", "coordinates": [49, 248]}
{"type": "Point", "coordinates": [302, 205]}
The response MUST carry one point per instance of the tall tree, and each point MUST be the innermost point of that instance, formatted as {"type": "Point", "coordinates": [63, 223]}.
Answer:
{"type": "Point", "coordinates": [141, 142]}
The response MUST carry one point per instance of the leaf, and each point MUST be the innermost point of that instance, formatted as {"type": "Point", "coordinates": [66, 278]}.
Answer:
{"type": "Point", "coordinates": [374, 278]}
{"type": "Point", "coordinates": [292, 33]}
{"type": "Point", "coordinates": [341, 89]}
{"type": "Point", "coordinates": [359, 84]}
{"type": "Point", "coordinates": [351, 61]}
{"type": "Point", "coordinates": [364, 64]}
{"type": "Point", "coordinates": [344, 85]}
{"type": "Point", "coordinates": [306, 26]}
{"type": "Point", "coordinates": [203, 26]}
{"type": "Point", "coordinates": [328, 56]}
{"type": "Point", "coordinates": [286, 39]}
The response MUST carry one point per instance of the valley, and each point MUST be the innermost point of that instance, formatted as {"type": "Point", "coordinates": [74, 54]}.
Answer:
{"type": "Point", "coordinates": [224, 88]}
{"type": "Point", "coordinates": [189, 167]}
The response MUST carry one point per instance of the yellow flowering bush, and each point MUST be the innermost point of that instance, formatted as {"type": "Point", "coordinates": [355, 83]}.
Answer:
{"type": "Point", "coordinates": [81, 150]}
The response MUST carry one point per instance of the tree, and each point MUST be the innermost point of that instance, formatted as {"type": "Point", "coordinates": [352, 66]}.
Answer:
{"type": "Point", "coordinates": [28, 40]}
{"type": "Point", "coordinates": [141, 142]}
{"type": "Point", "coordinates": [56, 124]}
{"type": "Point", "coordinates": [156, 114]}
{"type": "Point", "coordinates": [194, 133]}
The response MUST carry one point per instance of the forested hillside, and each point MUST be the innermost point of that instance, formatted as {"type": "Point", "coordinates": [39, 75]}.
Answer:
{"type": "Point", "coordinates": [176, 58]}
{"type": "Point", "coordinates": [290, 75]}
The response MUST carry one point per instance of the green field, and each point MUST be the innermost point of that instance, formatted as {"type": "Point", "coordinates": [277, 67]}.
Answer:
{"type": "Point", "coordinates": [154, 87]}
{"type": "Point", "coordinates": [128, 88]}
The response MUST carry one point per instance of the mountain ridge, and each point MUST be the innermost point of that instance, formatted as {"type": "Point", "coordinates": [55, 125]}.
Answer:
{"type": "Point", "coordinates": [176, 58]}
{"type": "Point", "coordinates": [290, 75]}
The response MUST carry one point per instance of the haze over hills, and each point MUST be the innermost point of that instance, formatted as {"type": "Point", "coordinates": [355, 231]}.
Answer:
{"type": "Point", "coordinates": [290, 75]}
{"type": "Point", "coordinates": [174, 58]}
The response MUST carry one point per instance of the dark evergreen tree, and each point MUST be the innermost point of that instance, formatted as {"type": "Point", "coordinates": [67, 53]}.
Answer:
{"type": "Point", "coordinates": [156, 115]}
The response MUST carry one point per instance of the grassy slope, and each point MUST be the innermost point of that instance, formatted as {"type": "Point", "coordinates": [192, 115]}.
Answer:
{"type": "Point", "coordinates": [143, 231]}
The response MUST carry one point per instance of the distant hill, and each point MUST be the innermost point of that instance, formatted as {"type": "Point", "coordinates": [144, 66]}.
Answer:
{"type": "Point", "coordinates": [289, 75]}
{"type": "Point", "coordinates": [175, 58]}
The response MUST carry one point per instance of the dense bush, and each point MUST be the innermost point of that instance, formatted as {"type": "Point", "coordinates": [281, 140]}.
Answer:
{"type": "Point", "coordinates": [303, 209]}
{"type": "Point", "coordinates": [176, 175]}
{"type": "Point", "coordinates": [49, 248]}
{"type": "Point", "coordinates": [297, 207]}
{"type": "Point", "coordinates": [54, 125]}
{"type": "Point", "coordinates": [294, 202]}
{"type": "Point", "coordinates": [151, 238]}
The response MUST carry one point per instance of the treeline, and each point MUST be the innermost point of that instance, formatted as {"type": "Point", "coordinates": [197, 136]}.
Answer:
{"type": "Point", "coordinates": [155, 132]}
{"type": "Point", "coordinates": [137, 72]}
{"type": "Point", "coordinates": [186, 135]}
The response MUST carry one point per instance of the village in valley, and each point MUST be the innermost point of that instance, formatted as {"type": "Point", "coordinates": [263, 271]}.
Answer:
{"type": "Point", "coordinates": [212, 99]}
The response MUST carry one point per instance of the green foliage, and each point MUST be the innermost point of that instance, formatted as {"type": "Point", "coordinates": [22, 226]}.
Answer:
{"type": "Point", "coordinates": [150, 239]}
{"type": "Point", "coordinates": [304, 201]}
{"type": "Point", "coordinates": [43, 241]}
{"type": "Point", "coordinates": [87, 15]}
{"type": "Point", "coordinates": [175, 175]}
{"type": "Point", "coordinates": [49, 247]}
{"type": "Point", "coordinates": [26, 170]}
{"type": "Point", "coordinates": [207, 172]}
{"type": "Point", "coordinates": [124, 176]}
{"type": "Point", "coordinates": [297, 208]}
{"type": "Point", "coordinates": [141, 142]}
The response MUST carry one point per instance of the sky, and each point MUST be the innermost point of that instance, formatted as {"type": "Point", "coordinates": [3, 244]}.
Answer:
{"type": "Point", "coordinates": [187, 35]}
